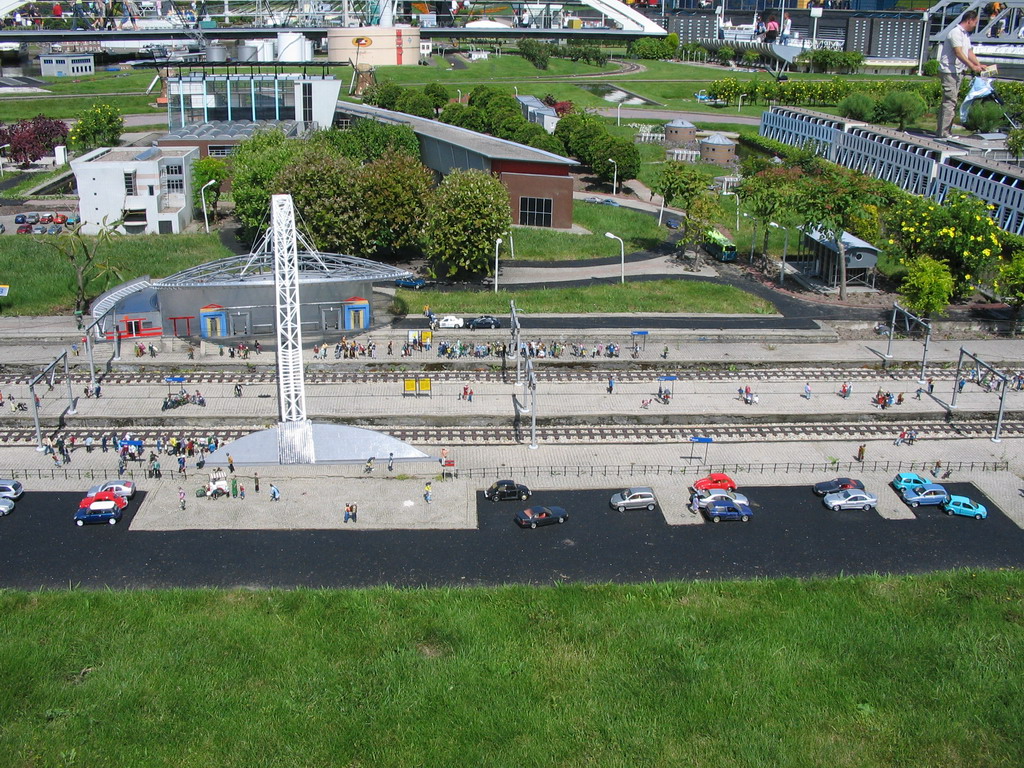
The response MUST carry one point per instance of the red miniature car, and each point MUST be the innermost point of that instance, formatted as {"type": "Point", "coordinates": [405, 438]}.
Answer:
{"type": "Point", "coordinates": [120, 501]}
{"type": "Point", "coordinates": [715, 480]}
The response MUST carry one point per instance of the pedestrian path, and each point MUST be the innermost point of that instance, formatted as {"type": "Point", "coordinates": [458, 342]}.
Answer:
{"type": "Point", "coordinates": [314, 497]}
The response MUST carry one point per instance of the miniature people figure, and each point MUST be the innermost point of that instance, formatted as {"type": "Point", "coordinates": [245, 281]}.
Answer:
{"type": "Point", "coordinates": [256, 480]}
{"type": "Point", "coordinates": [860, 452]}
{"type": "Point", "coordinates": [234, 488]}
{"type": "Point", "coordinates": [427, 493]}
{"type": "Point", "coordinates": [807, 390]}
{"type": "Point", "coordinates": [391, 462]}
{"type": "Point", "coordinates": [275, 495]}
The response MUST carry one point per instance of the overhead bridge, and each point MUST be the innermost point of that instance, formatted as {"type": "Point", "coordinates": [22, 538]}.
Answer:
{"type": "Point", "coordinates": [9, 35]}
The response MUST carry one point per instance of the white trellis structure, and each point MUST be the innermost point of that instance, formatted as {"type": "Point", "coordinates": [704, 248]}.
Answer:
{"type": "Point", "coordinates": [295, 433]}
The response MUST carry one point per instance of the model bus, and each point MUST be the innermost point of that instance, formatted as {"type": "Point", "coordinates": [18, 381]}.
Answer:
{"type": "Point", "coordinates": [719, 246]}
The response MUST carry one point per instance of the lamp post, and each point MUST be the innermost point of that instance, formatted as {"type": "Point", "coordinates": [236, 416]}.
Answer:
{"type": "Point", "coordinates": [615, 176]}
{"type": "Point", "coordinates": [785, 250]}
{"type": "Point", "coordinates": [753, 233]}
{"type": "Point", "coordinates": [497, 245]}
{"type": "Point", "coordinates": [460, 94]}
{"type": "Point", "coordinates": [622, 254]}
{"type": "Point", "coordinates": [618, 113]}
{"type": "Point", "coordinates": [2, 146]}
{"type": "Point", "coordinates": [202, 195]}
{"type": "Point", "coordinates": [517, 90]}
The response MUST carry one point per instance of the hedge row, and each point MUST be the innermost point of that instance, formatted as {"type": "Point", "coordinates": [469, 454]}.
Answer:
{"type": "Point", "coordinates": [819, 92]}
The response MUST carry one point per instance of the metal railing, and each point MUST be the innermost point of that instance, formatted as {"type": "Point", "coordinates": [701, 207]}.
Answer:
{"type": "Point", "coordinates": [64, 473]}
{"type": "Point", "coordinates": [668, 470]}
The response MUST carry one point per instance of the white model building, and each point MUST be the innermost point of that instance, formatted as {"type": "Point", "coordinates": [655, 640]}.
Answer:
{"type": "Point", "coordinates": [66, 64]}
{"type": "Point", "coordinates": [148, 189]}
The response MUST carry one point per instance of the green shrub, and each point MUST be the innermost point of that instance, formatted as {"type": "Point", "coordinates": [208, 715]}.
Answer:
{"type": "Point", "coordinates": [985, 117]}
{"type": "Point", "coordinates": [930, 68]}
{"type": "Point", "coordinates": [900, 107]}
{"type": "Point", "coordinates": [750, 58]}
{"type": "Point", "coordinates": [857, 106]}
{"type": "Point", "coordinates": [726, 54]}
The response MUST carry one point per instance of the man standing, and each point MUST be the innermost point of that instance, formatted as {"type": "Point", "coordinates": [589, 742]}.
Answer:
{"type": "Point", "coordinates": [955, 56]}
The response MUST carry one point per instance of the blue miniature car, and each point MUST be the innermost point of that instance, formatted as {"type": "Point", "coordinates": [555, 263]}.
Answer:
{"type": "Point", "coordinates": [414, 283]}
{"type": "Point", "coordinates": [961, 505]}
{"type": "Point", "coordinates": [98, 512]}
{"type": "Point", "coordinates": [930, 494]}
{"type": "Point", "coordinates": [906, 480]}
{"type": "Point", "coordinates": [728, 509]}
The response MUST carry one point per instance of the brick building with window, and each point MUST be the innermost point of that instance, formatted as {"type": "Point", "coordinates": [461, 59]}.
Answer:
{"type": "Point", "coordinates": [539, 183]}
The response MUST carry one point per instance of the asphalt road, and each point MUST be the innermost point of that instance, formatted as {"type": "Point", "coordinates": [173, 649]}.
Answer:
{"type": "Point", "coordinates": [791, 535]}
{"type": "Point", "coordinates": [636, 321]}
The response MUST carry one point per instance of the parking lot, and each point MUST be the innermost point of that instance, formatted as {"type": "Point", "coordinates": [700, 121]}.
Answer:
{"type": "Point", "coordinates": [52, 219]}
{"type": "Point", "coordinates": [791, 534]}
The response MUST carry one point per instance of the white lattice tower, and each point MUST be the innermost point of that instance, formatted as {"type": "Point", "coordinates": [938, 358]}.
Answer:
{"type": "Point", "coordinates": [295, 433]}
{"type": "Point", "coordinates": [291, 386]}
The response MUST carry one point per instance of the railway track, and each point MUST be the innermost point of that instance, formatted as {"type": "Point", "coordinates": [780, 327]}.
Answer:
{"type": "Point", "coordinates": [582, 434]}
{"type": "Point", "coordinates": [641, 372]}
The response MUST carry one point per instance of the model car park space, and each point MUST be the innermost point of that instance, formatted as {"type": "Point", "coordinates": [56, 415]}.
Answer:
{"type": "Point", "coordinates": [791, 533]}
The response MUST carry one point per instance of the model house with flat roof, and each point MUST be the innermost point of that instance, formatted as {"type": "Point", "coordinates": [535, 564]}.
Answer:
{"type": "Point", "coordinates": [148, 189]}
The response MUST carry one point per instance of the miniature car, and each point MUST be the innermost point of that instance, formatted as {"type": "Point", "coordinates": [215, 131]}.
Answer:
{"type": "Point", "coordinates": [415, 283]}
{"type": "Point", "coordinates": [25, 229]}
{"type": "Point", "coordinates": [715, 480]}
{"type": "Point", "coordinates": [672, 223]}
{"type": "Point", "coordinates": [21, 218]}
{"type": "Point", "coordinates": [72, 220]}
{"type": "Point", "coordinates": [450, 321]}
{"type": "Point", "coordinates": [46, 218]}
{"type": "Point", "coordinates": [905, 480]}
{"type": "Point", "coordinates": [60, 218]}
{"type": "Point", "coordinates": [3, 228]}
{"type": "Point", "coordinates": [930, 494]}
{"type": "Point", "coordinates": [484, 321]}
{"type": "Point", "coordinates": [125, 488]}
{"type": "Point", "coordinates": [851, 498]}
{"type": "Point", "coordinates": [119, 501]}
{"type": "Point", "coordinates": [613, 203]}
{"type": "Point", "coordinates": [6, 507]}
{"type": "Point", "coordinates": [711, 495]}
{"type": "Point", "coordinates": [39, 229]}
{"type": "Point", "coordinates": [507, 489]}
{"type": "Point", "coordinates": [961, 505]}
{"type": "Point", "coordinates": [98, 512]}
{"type": "Point", "coordinates": [534, 516]}
{"type": "Point", "coordinates": [54, 229]}
{"type": "Point", "coordinates": [634, 498]}
{"type": "Point", "coordinates": [727, 509]}
{"type": "Point", "coordinates": [839, 484]}
{"type": "Point", "coordinates": [596, 200]}
{"type": "Point", "coordinates": [11, 489]}
{"type": "Point", "coordinates": [31, 218]}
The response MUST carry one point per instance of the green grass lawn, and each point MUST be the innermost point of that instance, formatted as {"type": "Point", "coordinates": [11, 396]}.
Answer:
{"type": "Point", "coordinates": [43, 283]}
{"type": "Point", "coordinates": [25, 109]}
{"type": "Point", "coordinates": [869, 672]}
{"type": "Point", "coordinates": [679, 296]}
{"type": "Point", "coordinates": [639, 232]}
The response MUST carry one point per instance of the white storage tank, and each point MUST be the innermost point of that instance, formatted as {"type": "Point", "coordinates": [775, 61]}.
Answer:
{"type": "Point", "coordinates": [216, 54]}
{"type": "Point", "coordinates": [245, 53]}
{"type": "Point", "coordinates": [264, 48]}
{"type": "Point", "coordinates": [294, 46]}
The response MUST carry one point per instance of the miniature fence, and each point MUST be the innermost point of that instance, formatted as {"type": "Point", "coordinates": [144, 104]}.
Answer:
{"type": "Point", "coordinates": [821, 467]}
{"type": "Point", "coordinates": [64, 473]}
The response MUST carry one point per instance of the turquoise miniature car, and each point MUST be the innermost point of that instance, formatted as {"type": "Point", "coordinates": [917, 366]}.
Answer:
{"type": "Point", "coordinates": [906, 481]}
{"type": "Point", "coordinates": [961, 505]}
